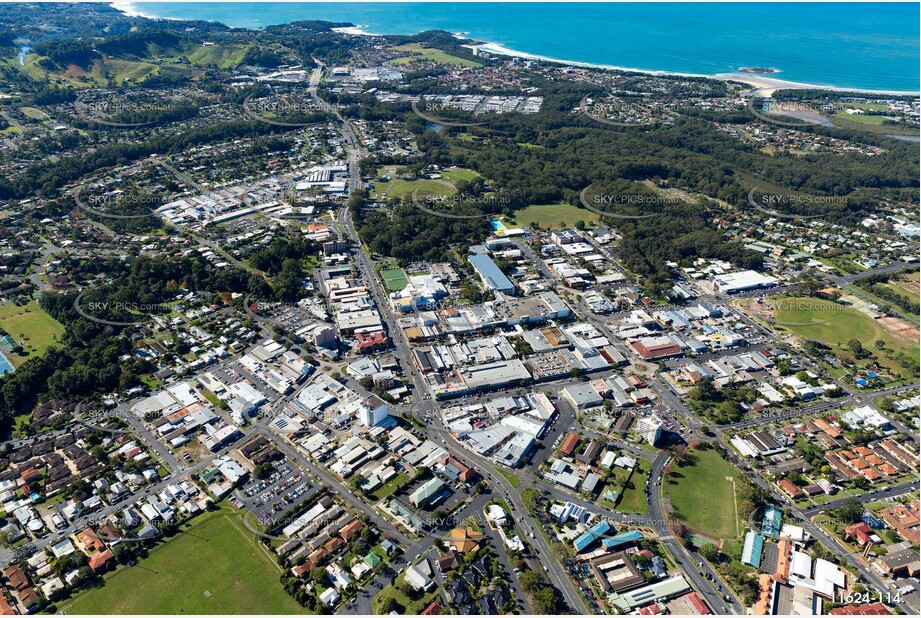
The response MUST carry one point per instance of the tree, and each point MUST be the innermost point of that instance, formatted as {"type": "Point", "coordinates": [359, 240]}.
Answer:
{"type": "Point", "coordinates": [850, 512]}
{"type": "Point", "coordinates": [262, 471]}
{"type": "Point", "coordinates": [710, 552]}
{"type": "Point", "coordinates": [390, 605]}
{"type": "Point", "coordinates": [319, 576]}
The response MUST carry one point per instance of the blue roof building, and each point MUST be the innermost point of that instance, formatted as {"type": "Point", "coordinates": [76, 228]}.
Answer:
{"type": "Point", "coordinates": [657, 567]}
{"type": "Point", "coordinates": [873, 522]}
{"type": "Point", "coordinates": [751, 551]}
{"type": "Point", "coordinates": [622, 539]}
{"type": "Point", "coordinates": [491, 275]}
{"type": "Point", "coordinates": [591, 535]}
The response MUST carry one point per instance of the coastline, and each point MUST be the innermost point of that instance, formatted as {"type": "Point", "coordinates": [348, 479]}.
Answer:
{"type": "Point", "coordinates": [766, 85]}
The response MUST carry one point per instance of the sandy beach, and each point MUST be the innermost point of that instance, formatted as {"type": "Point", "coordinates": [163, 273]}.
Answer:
{"type": "Point", "coordinates": [765, 85]}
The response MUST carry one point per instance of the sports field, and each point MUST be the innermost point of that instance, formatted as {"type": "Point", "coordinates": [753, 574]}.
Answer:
{"type": "Point", "coordinates": [554, 216]}
{"type": "Point", "coordinates": [31, 327]}
{"type": "Point", "coordinates": [403, 189]}
{"type": "Point", "coordinates": [214, 567]}
{"type": "Point", "coordinates": [703, 495]}
{"type": "Point", "coordinates": [835, 325]}
{"type": "Point", "coordinates": [394, 278]}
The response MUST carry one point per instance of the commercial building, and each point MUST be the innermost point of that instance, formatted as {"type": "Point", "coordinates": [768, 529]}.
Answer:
{"type": "Point", "coordinates": [372, 417]}
{"type": "Point", "coordinates": [491, 275]}
{"type": "Point", "coordinates": [647, 595]}
{"type": "Point", "coordinates": [591, 535]}
{"type": "Point", "coordinates": [427, 493]}
{"type": "Point", "coordinates": [582, 396]}
{"type": "Point", "coordinates": [752, 549]}
{"type": "Point", "coordinates": [745, 280]}
{"type": "Point", "coordinates": [650, 427]}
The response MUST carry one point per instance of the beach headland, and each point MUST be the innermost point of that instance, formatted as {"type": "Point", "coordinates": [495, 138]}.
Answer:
{"type": "Point", "coordinates": [765, 86]}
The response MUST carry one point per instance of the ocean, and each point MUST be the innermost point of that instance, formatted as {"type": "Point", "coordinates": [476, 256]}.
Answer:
{"type": "Point", "coordinates": [870, 46]}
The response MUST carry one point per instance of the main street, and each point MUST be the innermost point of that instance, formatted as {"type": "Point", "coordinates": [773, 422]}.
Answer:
{"type": "Point", "coordinates": [556, 573]}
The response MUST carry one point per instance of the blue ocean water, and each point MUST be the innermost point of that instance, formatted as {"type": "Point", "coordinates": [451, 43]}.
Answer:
{"type": "Point", "coordinates": [849, 45]}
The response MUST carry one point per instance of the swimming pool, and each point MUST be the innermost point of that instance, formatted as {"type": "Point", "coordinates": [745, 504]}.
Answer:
{"type": "Point", "coordinates": [5, 365]}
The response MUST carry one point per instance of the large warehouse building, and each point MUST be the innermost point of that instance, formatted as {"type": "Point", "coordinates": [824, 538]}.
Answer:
{"type": "Point", "coordinates": [491, 275]}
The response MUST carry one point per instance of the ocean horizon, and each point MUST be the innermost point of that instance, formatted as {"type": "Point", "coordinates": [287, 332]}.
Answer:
{"type": "Point", "coordinates": [861, 46]}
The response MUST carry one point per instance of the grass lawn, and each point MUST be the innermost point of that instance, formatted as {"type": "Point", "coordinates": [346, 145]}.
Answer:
{"type": "Point", "coordinates": [211, 397]}
{"type": "Point", "coordinates": [704, 497]}
{"type": "Point", "coordinates": [551, 216]}
{"type": "Point", "coordinates": [214, 567]}
{"type": "Point", "coordinates": [31, 327]}
{"type": "Point", "coordinates": [33, 113]}
{"type": "Point", "coordinates": [835, 325]}
{"type": "Point", "coordinates": [510, 476]}
{"type": "Point", "coordinates": [391, 487]}
{"type": "Point", "coordinates": [394, 278]}
{"type": "Point", "coordinates": [429, 53]}
{"type": "Point", "coordinates": [906, 285]}
{"type": "Point", "coordinates": [871, 124]}
{"type": "Point", "coordinates": [457, 174]}
{"type": "Point", "coordinates": [403, 189]}
{"type": "Point", "coordinates": [859, 118]}
{"type": "Point", "coordinates": [632, 496]}
{"type": "Point", "coordinates": [410, 606]}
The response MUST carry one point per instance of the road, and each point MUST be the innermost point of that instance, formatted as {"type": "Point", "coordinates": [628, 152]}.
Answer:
{"type": "Point", "coordinates": [685, 560]}
{"type": "Point", "coordinates": [7, 555]}
{"type": "Point", "coordinates": [557, 575]}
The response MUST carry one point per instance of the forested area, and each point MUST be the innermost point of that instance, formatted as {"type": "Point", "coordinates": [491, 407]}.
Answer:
{"type": "Point", "coordinates": [87, 361]}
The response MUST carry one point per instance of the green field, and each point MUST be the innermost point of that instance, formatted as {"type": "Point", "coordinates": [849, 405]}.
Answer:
{"type": "Point", "coordinates": [632, 497]}
{"type": "Point", "coordinates": [214, 567]}
{"type": "Point", "coordinates": [871, 124]}
{"type": "Point", "coordinates": [391, 487]}
{"type": "Point", "coordinates": [510, 476]}
{"type": "Point", "coordinates": [554, 216]}
{"type": "Point", "coordinates": [428, 53]}
{"type": "Point", "coordinates": [394, 278]}
{"type": "Point", "coordinates": [860, 119]}
{"type": "Point", "coordinates": [403, 189]}
{"type": "Point", "coordinates": [225, 55]}
{"type": "Point", "coordinates": [835, 324]}
{"type": "Point", "coordinates": [31, 327]}
{"type": "Point", "coordinates": [704, 497]}
{"type": "Point", "coordinates": [906, 285]}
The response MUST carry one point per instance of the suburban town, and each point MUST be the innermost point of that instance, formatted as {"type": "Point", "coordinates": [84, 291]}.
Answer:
{"type": "Point", "coordinates": [329, 323]}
